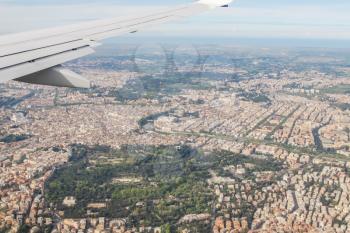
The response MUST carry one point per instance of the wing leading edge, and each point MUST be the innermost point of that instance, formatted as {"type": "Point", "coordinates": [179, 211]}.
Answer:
{"type": "Point", "coordinates": [35, 57]}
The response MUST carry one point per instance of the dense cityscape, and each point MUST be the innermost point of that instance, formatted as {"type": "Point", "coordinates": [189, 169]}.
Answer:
{"type": "Point", "coordinates": [208, 139]}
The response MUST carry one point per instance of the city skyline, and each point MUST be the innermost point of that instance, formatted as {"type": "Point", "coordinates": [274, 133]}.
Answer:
{"type": "Point", "coordinates": [244, 141]}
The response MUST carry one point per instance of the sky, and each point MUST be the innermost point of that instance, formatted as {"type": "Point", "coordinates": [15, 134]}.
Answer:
{"type": "Point", "coordinates": [265, 19]}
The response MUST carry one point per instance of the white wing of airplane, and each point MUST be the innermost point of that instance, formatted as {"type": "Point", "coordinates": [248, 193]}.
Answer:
{"type": "Point", "coordinates": [35, 57]}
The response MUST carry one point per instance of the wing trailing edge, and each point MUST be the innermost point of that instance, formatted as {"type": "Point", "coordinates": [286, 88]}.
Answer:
{"type": "Point", "coordinates": [34, 57]}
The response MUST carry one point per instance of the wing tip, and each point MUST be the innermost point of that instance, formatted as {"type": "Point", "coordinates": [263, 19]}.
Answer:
{"type": "Point", "coordinates": [215, 3]}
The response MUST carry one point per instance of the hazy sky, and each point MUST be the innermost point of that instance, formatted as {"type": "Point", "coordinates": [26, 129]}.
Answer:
{"type": "Point", "coordinates": [305, 19]}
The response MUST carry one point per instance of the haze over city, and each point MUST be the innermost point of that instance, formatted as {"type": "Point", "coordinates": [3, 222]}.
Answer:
{"type": "Point", "coordinates": [270, 19]}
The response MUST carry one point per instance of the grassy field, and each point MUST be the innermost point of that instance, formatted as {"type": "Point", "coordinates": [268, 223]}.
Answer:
{"type": "Point", "coordinates": [340, 89]}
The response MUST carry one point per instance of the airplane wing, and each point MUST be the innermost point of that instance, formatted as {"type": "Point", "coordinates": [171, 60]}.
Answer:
{"type": "Point", "coordinates": [36, 57]}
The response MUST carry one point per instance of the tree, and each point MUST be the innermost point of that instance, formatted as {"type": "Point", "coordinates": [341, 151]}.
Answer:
{"type": "Point", "coordinates": [166, 228]}
{"type": "Point", "coordinates": [347, 130]}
